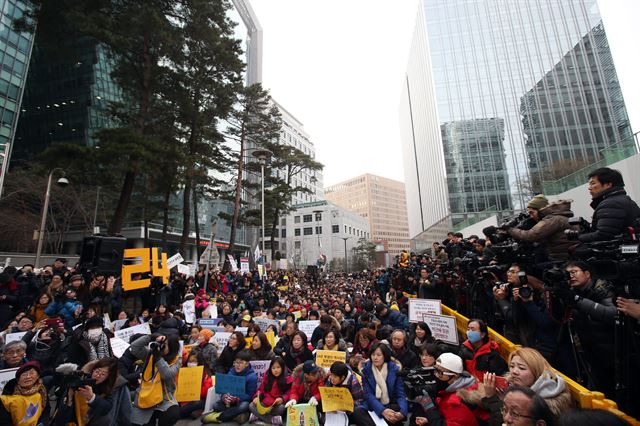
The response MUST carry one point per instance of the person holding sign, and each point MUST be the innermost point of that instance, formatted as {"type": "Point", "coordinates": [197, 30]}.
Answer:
{"type": "Point", "coordinates": [341, 376]}
{"type": "Point", "coordinates": [383, 389]}
{"type": "Point", "coordinates": [307, 380]}
{"type": "Point", "coordinates": [275, 390]}
{"type": "Point", "coordinates": [188, 408]}
{"type": "Point", "coordinates": [234, 404]}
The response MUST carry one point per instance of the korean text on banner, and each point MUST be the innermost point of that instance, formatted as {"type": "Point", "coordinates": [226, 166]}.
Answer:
{"type": "Point", "coordinates": [260, 367]}
{"type": "Point", "coordinates": [174, 260]}
{"type": "Point", "coordinates": [6, 375]}
{"type": "Point", "coordinates": [336, 399]}
{"type": "Point", "coordinates": [326, 358]}
{"type": "Point", "coordinates": [189, 311]}
{"type": "Point", "coordinates": [126, 333]}
{"type": "Point", "coordinates": [232, 262]}
{"type": "Point", "coordinates": [308, 326]}
{"type": "Point", "coordinates": [264, 323]}
{"type": "Point", "coordinates": [226, 383]}
{"type": "Point", "coordinates": [118, 346]}
{"type": "Point", "coordinates": [419, 307]}
{"type": "Point", "coordinates": [443, 327]}
{"type": "Point", "coordinates": [221, 339]}
{"type": "Point", "coordinates": [209, 323]}
{"type": "Point", "coordinates": [189, 384]}
{"type": "Point", "coordinates": [14, 336]}
{"type": "Point", "coordinates": [302, 415]}
{"type": "Point", "coordinates": [244, 265]}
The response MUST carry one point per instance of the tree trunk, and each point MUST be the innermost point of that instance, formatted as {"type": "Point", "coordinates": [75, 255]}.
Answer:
{"type": "Point", "coordinates": [237, 204]}
{"type": "Point", "coordinates": [196, 225]}
{"type": "Point", "coordinates": [274, 223]}
{"type": "Point", "coordinates": [165, 217]}
{"type": "Point", "coordinates": [115, 226]}
{"type": "Point", "coordinates": [186, 213]}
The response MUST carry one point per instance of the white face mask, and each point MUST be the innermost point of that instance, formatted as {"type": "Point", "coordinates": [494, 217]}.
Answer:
{"type": "Point", "coordinates": [192, 364]}
{"type": "Point", "coordinates": [94, 333]}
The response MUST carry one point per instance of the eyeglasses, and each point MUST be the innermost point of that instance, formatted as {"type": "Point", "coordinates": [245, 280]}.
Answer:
{"type": "Point", "coordinates": [514, 415]}
{"type": "Point", "coordinates": [100, 373]}
{"type": "Point", "coordinates": [440, 372]}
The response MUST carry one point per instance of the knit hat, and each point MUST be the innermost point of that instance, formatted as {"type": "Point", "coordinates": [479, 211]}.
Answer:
{"type": "Point", "coordinates": [451, 362]}
{"type": "Point", "coordinates": [538, 202]}
{"type": "Point", "coordinates": [206, 333]}
{"type": "Point", "coordinates": [31, 365]}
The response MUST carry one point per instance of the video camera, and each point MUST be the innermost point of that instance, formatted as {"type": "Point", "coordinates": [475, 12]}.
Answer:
{"type": "Point", "coordinates": [70, 377]}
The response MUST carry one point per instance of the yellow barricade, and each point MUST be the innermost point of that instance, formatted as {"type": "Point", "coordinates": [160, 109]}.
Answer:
{"type": "Point", "coordinates": [583, 397]}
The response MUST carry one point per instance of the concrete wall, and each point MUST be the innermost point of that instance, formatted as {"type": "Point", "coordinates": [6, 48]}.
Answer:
{"type": "Point", "coordinates": [476, 228]}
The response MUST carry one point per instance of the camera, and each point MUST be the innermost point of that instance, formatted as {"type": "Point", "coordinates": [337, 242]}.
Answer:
{"type": "Point", "coordinates": [525, 291]}
{"type": "Point", "coordinates": [157, 346]}
{"type": "Point", "coordinates": [69, 377]}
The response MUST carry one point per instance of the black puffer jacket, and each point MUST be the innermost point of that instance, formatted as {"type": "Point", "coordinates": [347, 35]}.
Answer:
{"type": "Point", "coordinates": [613, 212]}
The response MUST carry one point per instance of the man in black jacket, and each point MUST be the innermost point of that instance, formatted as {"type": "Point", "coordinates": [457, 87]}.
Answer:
{"type": "Point", "coordinates": [614, 210]}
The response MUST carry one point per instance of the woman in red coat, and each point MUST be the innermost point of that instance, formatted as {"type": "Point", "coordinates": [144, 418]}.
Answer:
{"type": "Point", "coordinates": [269, 402]}
{"type": "Point", "coordinates": [479, 353]}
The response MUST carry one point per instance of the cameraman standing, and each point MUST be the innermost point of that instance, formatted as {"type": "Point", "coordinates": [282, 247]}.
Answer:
{"type": "Point", "coordinates": [593, 314]}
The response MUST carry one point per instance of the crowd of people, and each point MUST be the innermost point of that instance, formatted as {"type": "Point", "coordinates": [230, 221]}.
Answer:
{"type": "Point", "coordinates": [57, 344]}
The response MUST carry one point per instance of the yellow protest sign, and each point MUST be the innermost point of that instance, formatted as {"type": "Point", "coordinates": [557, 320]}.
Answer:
{"type": "Point", "coordinates": [326, 358]}
{"type": "Point", "coordinates": [283, 288]}
{"type": "Point", "coordinates": [271, 338]}
{"type": "Point", "coordinates": [336, 399]}
{"type": "Point", "coordinates": [409, 295]}
{"type": "Point", "coordinates": [189, 384]}
{"type": "Point", "coordinates": [297, 314]}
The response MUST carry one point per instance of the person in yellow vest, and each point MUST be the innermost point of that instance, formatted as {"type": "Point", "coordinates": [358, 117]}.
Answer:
{"type": "Point", "coordinates": [24, 399]}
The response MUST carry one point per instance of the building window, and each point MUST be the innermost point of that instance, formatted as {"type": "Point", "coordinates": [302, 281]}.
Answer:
{"type": "Point", "coordinates": [308, 231]}
{"type": "Point", "coordinates": [318, 217]}
{"type": "Point", "coordinates": [283, 233]}
{"type": "Point", "coordinates": [283, 221]}
{"type": "Point", "coordinates": [296, 219]}
{"type": "Point", "coordinates": [345, 229]}
{"type": "Point", "coordinates": [297, 245]}
{"type": "Point", "coordinates": [296, 232]}
{"type": "Point", "coordinates": [335, 229]}
{"type": "Point", "coordinates": [318, 230]}
{"type": "Point", "coordinates": [307, 218]}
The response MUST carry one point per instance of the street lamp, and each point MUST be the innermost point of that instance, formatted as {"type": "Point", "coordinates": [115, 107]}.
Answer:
{"type": "Point", "coordinates": [63, 181]}
{"type": "Point", "coordinates": [263, 155]}
{"type": "Point", "coordinates": [346, 263]}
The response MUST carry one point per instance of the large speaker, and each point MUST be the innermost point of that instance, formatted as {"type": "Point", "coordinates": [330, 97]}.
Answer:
{"type": "Point", "coordinates": [103, 255]}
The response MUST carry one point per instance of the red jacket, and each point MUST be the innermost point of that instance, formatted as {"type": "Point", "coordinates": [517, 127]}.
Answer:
{"type": "Point", "coordinates": [269, 397]}
{"type": "Point", "coordinates": [486, 358]}
{"type": "Point", "coordinates": [301, 391]}
{"type": "Point", "coordinates": [453, 408]}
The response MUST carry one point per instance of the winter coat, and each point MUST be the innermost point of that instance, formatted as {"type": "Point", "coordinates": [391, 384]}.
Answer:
{"type": "Point", "coordinates": [46, 353]}
{"type": "Point", "coordinates": [395, 387]}
{"type": "Point", "coordinates": [613, 212]}
{"type": "Point", "coordinates": [251, 383]}
{"type": "Point", "coordinates": [486, 358]}
{"type": "Point", "coordinates": [352, 383]}
{"type": "Point", "coordinates": [28, 289]}
{"type": "Point", "coordinates": [7, 303]}
{"type": "Point", "coordinates": [550, 230]}
{"type": "Point", "coordinates": [226, 358]}
{"type": "Point", "coordinates": [209, 354]}
{"type": "Point", "coordinates": [66, 310]}
{"type": "Point", "coordinates": [38, 312]}
{"type": "Point", "coordinates": [395, 319]}
{"type": "Point", "coordinates": [6, 413]}
{"type": "Point", "coordinates": [301, 391]}
{"type": "Point", "coordinates": [407, 359]}
{"type": "Point", "coordinates": [293, 359]}
{"type": "Point", "coordinates": [269, 397]}
{"type": "Point", "coordinates": [453, 408]}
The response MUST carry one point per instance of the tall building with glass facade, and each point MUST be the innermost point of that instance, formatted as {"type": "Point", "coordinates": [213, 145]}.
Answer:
{"type": "Point", "coordinates": [15, 50]}
{"type": "Point", "coordinates": [475, 60]}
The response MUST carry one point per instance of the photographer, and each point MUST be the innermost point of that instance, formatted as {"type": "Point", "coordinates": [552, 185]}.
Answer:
{"type": "Point", "coordinates": [64, 305]}
{"type": "Point", "coordinates": [160, 356]}
{"type": "Point", "coordinates": [507, 296]}
{"type": "Point", "coordinates": [99, 397]}
{"type": "Point", "coordinates": [614, 210]}
{"type": "Point", "coordinates": [593, 314]}
{"type": "Point", "coordinates": [550, 222]}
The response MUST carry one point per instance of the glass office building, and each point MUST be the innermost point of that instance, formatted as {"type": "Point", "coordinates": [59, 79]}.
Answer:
{"type": "Point", "coordinates": [15, 49]}
{"type": "Point", "coordinates": [483, 57]}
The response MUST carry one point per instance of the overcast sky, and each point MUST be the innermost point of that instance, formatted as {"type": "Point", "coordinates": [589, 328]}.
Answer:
{"type": "Point", "coordinates": [338, 65]}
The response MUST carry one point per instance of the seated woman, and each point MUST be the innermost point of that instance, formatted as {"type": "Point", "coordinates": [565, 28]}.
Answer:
{"type": "Point", "coordinates": [189, 409]}
{"type": "Point", "coordinates": [341, 376]}
{"type": "Point", "coordinates": [420, 334]}
{"type": "Point", "coordinates": [383, 389]}
{"type": "Point", "coordinates": [260, 348]}
{"type": "Point", "coordinates": [479, 353]}
{"type": "Point", "coordinates": [528, 368]}
{"type": "Point", "coordinates": [331, 341]}
{"type": "Point", "coordinates": [207, 350]}
{"type": "Point", "coordinates": [298, 351]}
{"type": "Point", "coordinates": [364, 340]}
{"type": "Point", "coordinates": [274, 392]}
{"type": "Point", "coordinates": [234, 346]}
{"type": "Point", "coordinates": [24, 398]}
{"type": "Point", "coordinates": [108, 402]}
{"type": "Point", "coordinates": [421, 381]}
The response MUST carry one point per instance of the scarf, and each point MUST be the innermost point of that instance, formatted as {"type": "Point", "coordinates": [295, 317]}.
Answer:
{"type": "Point", "coordinates": [98, 350]}
{"type": "Point", "coordinates": [38, 387]}
{"type": "Point", "coordinates": [380, 376]}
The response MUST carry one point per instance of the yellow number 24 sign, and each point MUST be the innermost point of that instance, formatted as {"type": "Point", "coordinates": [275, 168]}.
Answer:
{"type": "Point", "coordinates": [146, 260]}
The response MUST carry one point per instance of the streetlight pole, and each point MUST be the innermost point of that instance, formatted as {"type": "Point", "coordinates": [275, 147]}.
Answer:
{"type": "Point", "coordinates": [346, 263]}
{"type": "Point", "coordinates": [95, 212]}
{"type": "Point", "coordinates": [43, 219]}
{"type": "Point", "coordinates": [263, 155]}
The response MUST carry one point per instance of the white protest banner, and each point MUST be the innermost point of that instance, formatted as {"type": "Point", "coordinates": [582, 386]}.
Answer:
{"type": "Point", "coordinates": [220, 339]}
{"type": "Point", "coordinates": [242, 330]}
{"type": "Point", "coordinates": [213, 310]}
{"type": "Point", "coordinates": [13, 336]}
{"type": "Point", "coordinates": [209, 323]}
{"type": "Point", "coordinates": [174, 260]}
{"type": "Point", "coordinates": [125, 334]}
{"type": "Point", "coordinates": [244, 265]}
{"type": "Point", "coordinates": [184, 269]}
{"type": "Point", "coordinates": [264, 323]}
{"type": "Point", "coordinates": [232, 262]}
{"type": "Point", "coordinates": [420, 307]}
{"type": "Point", "coordinates": [192, 270]}
{"type": "Point", "coordinates": [118, 346]}
{"type": "Point", "coordinates": [6, 375]}
{"type": "Point", "coordinates": [260, 367]}
{"type": "Point", "coordinates": [189, 311]}
{"type": "Point", "coordinates": [283, 264]}
{"type": "Point", "coordinates": [443, 327]}
{"type": "Point", "coordinates": [107, 322]}
{"type": "Point", "coordinates": [117, 324]}
{"type": "Point", "coordinates": [307, 327]}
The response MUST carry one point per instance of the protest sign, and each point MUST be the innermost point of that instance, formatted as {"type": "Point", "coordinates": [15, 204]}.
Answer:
{"type": "Point", "coordinates": [377, 420]}
{"type": "Point", "coordinates": [185, 270]}
{"type": "Point", "coordinates": [126, 333]}
{"type": "Point", "coordinates": [297, 314]}
{"type": "Point", "coordinates": [192, 269]}
{"type": "Point", "coordinates": [6, 375]}
{"type": "Point", "coordinates": [283, 288]}
{"type": "Point", "coordinates": [419, 307]}
{"type": "Point", "coordinates": [244, 265]}
{"type": "Point", "coordinates": [264, 323]}
{"type": "Point", "coordinates": [226, 383]}
{"type": "Point", "coordinates": [326, 358]}
{"type": "Point", "coordinates": [308, 326]}
{"type": "Point", "coordinates": [189, 383]}
{"type": "Point", "coordinates": [337, 418]}
{"type": "Point", "coordinates": [117, 324]}
{"type": "Point", "coordinates": [221, 339]}
{"type": "Point", "coordinates": [232, 262]}
{"type": "Point", "coordinates": [443, 327]}
{"type": "Point", "coordinates": [107, 322]}
{"type": "Point", "coordinates": [189, 311]}
{"type": "Point", "coordinates": [174, 260]}
{"type": "Point", "coordinates": [302, 415]}
{"type": "Point", "coordinates": [271, 338]}
{"type": "Point", "coordinates": [209, 323]}
{"type": "Point", "coordinates": [260, 367]}
{"type": "Point", "coordinates": [242, 330]}
{"type": "Point", "coordinates": [336, 399]}
{"type": "Point", "coordinates": [118, 346]}
{"type": "Point", "coordinates": [213, 310]}
{"type": "Point", "coordinates": [13, 336]}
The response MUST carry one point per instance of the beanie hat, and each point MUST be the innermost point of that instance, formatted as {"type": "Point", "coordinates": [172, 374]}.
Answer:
{"type": "Point", "coordinates": [538, 202]}
{"type": "Point", "coordinates": [206, 333]}
{"type": "Point", "coordinates": [451, 362]}
{"type": "Point", "coordinates": [31, 365]}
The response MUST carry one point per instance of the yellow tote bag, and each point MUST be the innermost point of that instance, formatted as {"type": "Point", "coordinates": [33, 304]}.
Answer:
{"type": "Point", "coordinates": [150, 393]}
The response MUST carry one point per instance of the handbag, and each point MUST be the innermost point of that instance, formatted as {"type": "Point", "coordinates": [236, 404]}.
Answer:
{"type": "Point", "coordinates": [150, 393]}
